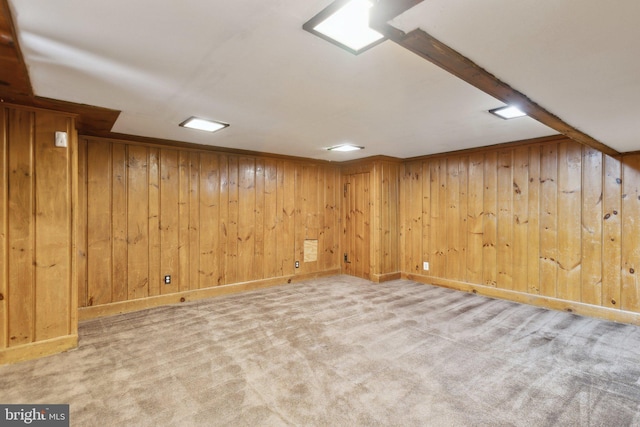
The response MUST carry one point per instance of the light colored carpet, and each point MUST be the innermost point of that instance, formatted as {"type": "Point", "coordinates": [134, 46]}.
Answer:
{"type": "Point", "coordinates": [342, 351]}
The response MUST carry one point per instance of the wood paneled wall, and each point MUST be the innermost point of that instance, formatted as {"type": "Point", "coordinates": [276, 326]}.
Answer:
{"type": "Point", "coordinates": [205, 218]}
{"type": "Point", "coordinates": [38, 300]}
{"type": "Point", "coordinates": [557, 220]}
{"type": "Point", "coordinates": [382, 221]}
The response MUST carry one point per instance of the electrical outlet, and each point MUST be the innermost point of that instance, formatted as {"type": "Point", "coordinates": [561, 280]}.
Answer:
{"type": "Point", "coordinates": [297, 264]}
{"type": "Point", "coordinates": [167, 279]}
{"type": "Point", "coordinates": [425, 266]}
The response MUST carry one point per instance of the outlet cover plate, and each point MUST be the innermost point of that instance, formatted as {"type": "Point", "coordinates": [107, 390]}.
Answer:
{"type": "Point", "coordinates": [425, 266]}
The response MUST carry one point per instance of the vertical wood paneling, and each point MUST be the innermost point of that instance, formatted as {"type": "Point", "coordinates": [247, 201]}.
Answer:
{"type": "Point", "coordinates": [631, 233]}
{"type": "Point", "coordinates": [415, 254]}
{"type": "Point", "coordinates": [155, 278]}
{"type": "Point", "coordinates": [209, 220]}
{"type": "Point", "coordinates": [438, 244]}
{"type": "Point", "coordinates": [475, 217]}
{"type": "Point", "coordinates": [505, 221]}
{"type": "Point", "coordinates": [569, 221]}
{"type": "Point", "coordinates": [463, 176]}
{"type": "Point", "coordinates": [225, 228]}
{"type": "Point", "coordinates": [194, 221]}
{"type": "Point", "coordinates": [184, 217]}
{"type": "Point", "coordinates": [286, 250]}
{"type": "Point", "coordinates": [452, 226]}
{"type": "Point", "coordinates": [53, 230]}
{"type": "Point", "coordinates": [271, 266]}
{"type": "Point", "coordinates": [246, 214]}
{"type": "Point", "coordinates": [259, 233]}
{"type": "Point", "coordinates": [232, 274]}
{"type": "Point", "coordinates": [533, 231]}
{"type": "Point", "coordinates": [81, 227]}
{"type": "Point", "coordinates": [38, 253]}
{"type": "Point", "coordinates": [426, 215]}
{"type": "Point", "coordinates": [119, 223]}
{"type": "Point", "coordinates": [612, 233]}
{"type": "Point", "coordinates": [99, 243]}
{"type": "Point", "coordinates": [4, 227]}
{"type": "Point", "coordinates": [21, 230]}
{"type": "Point", "coordinates": [137, 223]}
{"type": "Point", "coordinates": [360, 223]}
{"type": "Point", "coordinates": [169, 219]}
{"type": "Point", "coordinates": [554, 218]}
{"type": "Point", "coordinates": [549, 221]}
{"type": "Point", "coordinates": [520, 218]}
{"type": "Point", "coordinates": [592, 233]}
{"type": "Point", "coordinates": [394, 220]}
{"type": "Point", "coordinates": [490, 223]}
{"type": "Point", "coordinates": [511, 211]}
{"type": "Point", "coordinates": [331, 245]}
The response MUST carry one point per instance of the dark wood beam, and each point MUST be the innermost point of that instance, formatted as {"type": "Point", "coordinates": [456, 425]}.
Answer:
{"type": "Point", "coordinates": [13, 71]}
{"type": "Point", "coordinates": [15, 85]}
{"type": "Point", "coordinates": [438, 53]}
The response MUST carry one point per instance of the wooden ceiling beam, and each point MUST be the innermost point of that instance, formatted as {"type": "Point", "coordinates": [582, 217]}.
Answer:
{"type": "Point", "coordinates": [438, 53]}
{"type": "Point", "coordinates": [15, 85]}
{"type": "Point", "coordinates": [13, 71]}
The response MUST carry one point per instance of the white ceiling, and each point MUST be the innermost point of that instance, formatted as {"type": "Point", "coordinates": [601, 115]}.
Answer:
{"type": "Point", "coordinates": [286, 91]}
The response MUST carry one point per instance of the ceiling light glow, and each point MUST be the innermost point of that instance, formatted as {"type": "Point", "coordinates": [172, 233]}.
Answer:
{"type": "Point", "coordinates": [348, 25]}
{"type": "Point", "coordinates": [508, 112]}
{"type": "Point", "coordinates": [345, 148]}
{"type": "Point", "coordinates": [203, 124]}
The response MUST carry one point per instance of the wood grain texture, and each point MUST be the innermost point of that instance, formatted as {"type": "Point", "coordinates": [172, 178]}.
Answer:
{"type": "Point", "coordinates": [452, 225]}
{"type": "Point", "coordinates": [81, 224]}
{"type": "Point", "coordinates": [520, 219]}
{"type": "Point", "coordinates": [438, 243]}
{"type": "Point", "coordinates": [490, 220]}
{"type": "Point", "coordinates": [612, 232]}
{"type": "Point", "coordinates": [631, 233]}
{"type": "Point", "coordinates": [475, 216]}
{"type": "Point", "coordinates": [592, 235]}
{"type": "Point", "coordinates": [553, 219]}
{"type": "Point", "coordinates": [569, 221]}
{"type": "Point", "coordinates": [39, 290]}
{"type": "Point", "coordinates": [4, 226]}
{"type": "Point", "coordinates": [533, 229]}
{"type": "Point", "coordinates": [53, 228]}
{"type": "Point", "coordinates": [137, 223]}
{"type": "Point", "coordinates": [21, 228]}
{"type": "Point", "coordinates": [505, 220]}
{"type": "Point", "coordinates": [119, 217]}
{"type": "Point", "coordinates": [205, 218]}
{"type": "Point", "coordinates": [549, 221]}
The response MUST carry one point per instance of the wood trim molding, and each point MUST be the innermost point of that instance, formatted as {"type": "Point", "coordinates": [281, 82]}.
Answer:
{"type": "Point", "coordinates": [428, 47]}
{"type": "Point", "coordinates": [87, 313]}
{"type": "Point", "coordinates": [386, 277]}
{"type": "Point", "coordinates": [38, 349]}
{"type": "Point", "coordinates": [580, 308]}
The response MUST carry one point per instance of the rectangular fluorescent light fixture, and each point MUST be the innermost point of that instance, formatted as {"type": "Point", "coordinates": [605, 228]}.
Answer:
{"type": "Point", "coordinates": [507, 112]}
{"type": "Point", "coordinates": [345, 147]}
{"type": "Point", "coordinates": [346, 23]}
{"type": "Point", "coordinates": [203, 124]}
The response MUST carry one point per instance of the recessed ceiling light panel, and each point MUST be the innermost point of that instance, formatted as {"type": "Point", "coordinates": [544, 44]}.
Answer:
{"type": "Point", "coordinates": [345, 147]}
{"type": "Point", "coordinates": [346, 24]}
{"type": "Point", "coordinates": [507, 112]}
{"type": "Point", "coordinates": [203, 124]}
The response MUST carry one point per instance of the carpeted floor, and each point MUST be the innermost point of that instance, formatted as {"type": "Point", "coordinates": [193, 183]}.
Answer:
{"type": "Point", "coordinates": [342, 351]}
